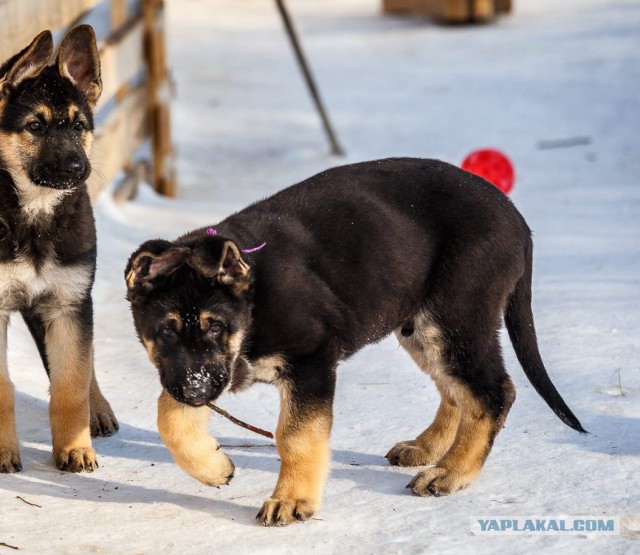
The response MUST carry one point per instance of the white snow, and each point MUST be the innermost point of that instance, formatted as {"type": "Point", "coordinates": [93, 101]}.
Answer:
{"type": "Point", "coordinates": [244, 127]}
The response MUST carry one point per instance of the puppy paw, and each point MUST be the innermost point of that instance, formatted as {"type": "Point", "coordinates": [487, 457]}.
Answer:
{"type": "Point", "coordinates": [282, 512]}
{"type": "Point", "coordinates": [214, 469]}
{"type": "Point", "coordinates": [183, 430]}
{"type": "Point", "coordinates": [102, 420]}
{"type": "Point", "coordinates": [10, 461]}
{"type": "Point", "coordinates": [76, 460]}
{"type": "Point", "coordinates": [409, 453]}
{"type": "Point", "coordinates": [437, 481]}
{"type": "Point", "coordinates": [103, 423]}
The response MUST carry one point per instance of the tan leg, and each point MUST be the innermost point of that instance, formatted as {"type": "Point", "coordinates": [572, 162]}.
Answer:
{"type": "Point", "coordinates": [69, 354]}
{"type": "Point", "coordinates": [433, 443]}
{"type": "Point", "coordinates": [183, 430]}
{"type": "Point", "coordinates": [463, 461]}
{"type": "Point", "coordinates": [425, 346]}
{"type": "Point", "coordinates": [102, 419]}
{"type": "Point", "coordinates": [9, 448]}
{"type": "Point", "coordinates": [462, 434]}
{"type": "Point", "coordinates": [302, 439]}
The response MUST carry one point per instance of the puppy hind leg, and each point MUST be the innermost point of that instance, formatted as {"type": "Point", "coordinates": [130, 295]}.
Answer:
{"type": "Point", "coordinates": [432, 443]}
{"type": "Point", "coordinates": [482, 417]}
{"type": "Point", "coordinates": [9, 447]}
{"type": "Point", "coordinates": [102, 419]}
{"type": "Point", "coordinates": [425, 347]}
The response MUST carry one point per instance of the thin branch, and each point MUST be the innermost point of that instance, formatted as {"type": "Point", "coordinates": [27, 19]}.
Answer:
{"type": "Point", "coordinates": [2, 544]}
{"type": "Point", "coordinates": [620, 382]}
{"type": "Point", "coordinates": [28, 502]}
{"type": "Point", "coordinates": [240, 422]}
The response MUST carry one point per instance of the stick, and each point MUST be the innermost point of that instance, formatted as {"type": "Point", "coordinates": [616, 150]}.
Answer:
{"type": "Point", "coordinates": [2, 544]}
{"type": "Point", "coordinates": [313, 90]}
{"type": "Point", "coordinates": [240, 422]}
{"type": "Point", "coordinates": [28, 502]}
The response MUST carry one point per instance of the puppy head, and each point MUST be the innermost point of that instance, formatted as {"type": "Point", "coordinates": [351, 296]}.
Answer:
{"type": "Point", "coordinates": [46, 111]}
{"type": "Point", "coordinates": [191, 309]}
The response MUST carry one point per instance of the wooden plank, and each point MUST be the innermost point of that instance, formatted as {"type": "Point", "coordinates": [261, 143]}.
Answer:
{"type": "Point", "coordinates": [118, 138]}
{"type": "Point", "coordinates": [397, 6]}
{"type": "Point", "coordinates": [22, 20]}
{"type": "Point", "coordinates": [450, 11]}
{"type": "Point", "coordinates": [121, 61]}
{"type": "Point", "coordinates": [159, 96]}
{"type": "Point", "coordinates": [119, 15]}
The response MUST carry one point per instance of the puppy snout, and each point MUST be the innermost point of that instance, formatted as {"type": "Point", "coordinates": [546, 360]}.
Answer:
{"type": "Point", "coordinates": [202, 386]}
{"type": "Point", "coordinates": [71, 167]}
{"type": "Point", "coordinates": [195, 396]}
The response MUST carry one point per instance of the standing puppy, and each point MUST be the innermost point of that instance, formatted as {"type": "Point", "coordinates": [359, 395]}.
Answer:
{"type": "Point", "coordinates": [284, 290]}
{"type": "Point", "coordinates": [48, 238]}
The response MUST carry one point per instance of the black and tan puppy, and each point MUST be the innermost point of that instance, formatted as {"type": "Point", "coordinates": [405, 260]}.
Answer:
{"type": "Point", "coordinates": [48, 238]}
{"type": "Point", "coordinates": [416, 247]}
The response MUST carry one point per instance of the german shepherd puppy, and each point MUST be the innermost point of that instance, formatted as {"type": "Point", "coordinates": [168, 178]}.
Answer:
{"type": "Point", "coordinates": [48, 238]}
{"type": "Point", "coordinates": [417, 247]}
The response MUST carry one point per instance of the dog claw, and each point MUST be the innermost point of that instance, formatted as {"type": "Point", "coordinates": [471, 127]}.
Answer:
{"type": "Point", "coordinates": [77, 460]}
{"type": "Point", "coordinates": [282, 512]}
{"type": "Point", "coordinates": [437, 482]}
{"type": "Point", "coordinates": [103, 424]}
{"type": "Point", "coordinates": [10, 462]}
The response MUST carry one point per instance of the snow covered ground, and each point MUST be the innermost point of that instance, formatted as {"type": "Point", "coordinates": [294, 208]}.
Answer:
{"type": "Point", "coordinates": [244, 127]}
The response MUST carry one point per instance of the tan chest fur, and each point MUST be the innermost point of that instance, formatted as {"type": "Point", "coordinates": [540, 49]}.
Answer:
{"type": "Point", "coordinates": [21, 284]}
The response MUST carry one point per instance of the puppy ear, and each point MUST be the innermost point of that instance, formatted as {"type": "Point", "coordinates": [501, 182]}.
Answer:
{"type": "Point", "coordinates": [147, 266]}
{"type": "Point", "coordinates": [28, 63]}
{"type": "Point", "coordinates": [230, 269]}
{"type": "Point", "coordinates": [79, 62]}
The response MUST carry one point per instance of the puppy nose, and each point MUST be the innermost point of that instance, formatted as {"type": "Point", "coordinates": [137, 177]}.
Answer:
{"type": "Point", "coordinates": [194, 396]}
{"type": "Point", "coordinates": [71, 166]}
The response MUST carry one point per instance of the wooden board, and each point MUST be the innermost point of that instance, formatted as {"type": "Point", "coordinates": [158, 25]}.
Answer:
{"type": "Point", "coordinates": [118, 138]}
{"type": "Point", "coordinates": [22, 20]}
{"type": "Point", "coordinates": [451, 11]}
{"type": "Point", "coordinates": [121, 60]}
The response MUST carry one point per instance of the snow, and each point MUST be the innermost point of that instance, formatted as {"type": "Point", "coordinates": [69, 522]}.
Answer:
{"type": "Point", "coordinates": [244, 127]}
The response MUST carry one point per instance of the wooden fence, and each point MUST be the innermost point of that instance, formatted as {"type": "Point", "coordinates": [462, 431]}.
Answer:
{"type": "Point", "coordinates": [134, 106]}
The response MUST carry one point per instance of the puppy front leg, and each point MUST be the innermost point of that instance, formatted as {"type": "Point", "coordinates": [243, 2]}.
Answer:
{"type": "Point", "coordinates": [302, 440]}
{"type": "Point", "coordinates": [183, 430]}
{"type": "Point", "coordinates": [68, 341]}
{"type": "Point", "coordinates": [9, 450]}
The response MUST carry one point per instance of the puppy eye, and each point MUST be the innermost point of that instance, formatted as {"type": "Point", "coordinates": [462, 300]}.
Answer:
{"type": "Point", "coordinates": [215, 328]}
{"type": "Point", "coordinates": [35, 126]}
{"type": "Point", "coordinates": [78, 125]}
{"type": "Point", "coordinates": [167, 331]}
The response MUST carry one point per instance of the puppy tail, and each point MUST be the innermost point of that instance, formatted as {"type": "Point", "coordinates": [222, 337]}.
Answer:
{"type": "Point", "coordinates": [519, 323]}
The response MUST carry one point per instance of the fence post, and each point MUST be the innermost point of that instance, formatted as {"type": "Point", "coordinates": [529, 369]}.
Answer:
{"type": "Point", "coordinates": [159, 96]}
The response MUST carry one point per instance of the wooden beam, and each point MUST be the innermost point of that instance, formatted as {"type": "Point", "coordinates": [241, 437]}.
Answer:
{"type": "Point", "coordinates": [121, 60]}
{"type": "Point", "coordinates": [22, 20]}
{"type": "Point", "coordinates": [159, 96]}
{"type": "Point", "coordinates": [118, 138]}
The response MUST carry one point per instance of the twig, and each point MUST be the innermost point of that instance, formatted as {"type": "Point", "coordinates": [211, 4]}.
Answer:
{"type": "Point", "coordinates": [246, 445]}
{"type": "Point", "coordinates": [620, 382]}
{"type": "Point", "coordinates": [2, 544]}
{"type": "Point", "coordinates": [563, 143]}
{"type": "Point", "coordinates": [240, 422]}
{"type": "Point", "coordinates": [28, 502]}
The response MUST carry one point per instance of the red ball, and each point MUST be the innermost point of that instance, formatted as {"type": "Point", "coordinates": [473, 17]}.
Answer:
{"type": "Point", "coordinates": [492, 165]}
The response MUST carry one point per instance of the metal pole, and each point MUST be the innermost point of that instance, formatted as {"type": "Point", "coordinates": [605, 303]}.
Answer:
{"type": "Point", "coordinates": [313, 90]}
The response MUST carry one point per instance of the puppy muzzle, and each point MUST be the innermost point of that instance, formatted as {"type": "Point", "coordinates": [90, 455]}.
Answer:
{"type": "Point", "coordinates": [199, 387]}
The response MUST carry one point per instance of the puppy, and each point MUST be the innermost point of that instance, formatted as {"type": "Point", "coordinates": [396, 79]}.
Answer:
{"type": "Point", "coordinates": [48, 238]}
{"type": "Point", "coordinates": [284, 290]}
